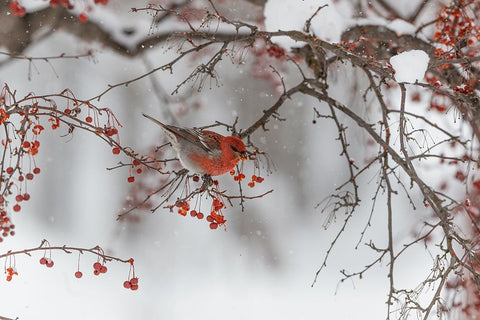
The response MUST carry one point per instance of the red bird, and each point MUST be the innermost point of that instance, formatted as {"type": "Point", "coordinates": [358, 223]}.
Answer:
{"type": "Point", "coordinates": [204, 151]}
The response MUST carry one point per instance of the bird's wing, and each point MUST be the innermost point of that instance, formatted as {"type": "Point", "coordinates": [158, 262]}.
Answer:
{"type": "Point", "coordinates": [208, 140]}
{"type": "Point", "coordinates": [202, 139]}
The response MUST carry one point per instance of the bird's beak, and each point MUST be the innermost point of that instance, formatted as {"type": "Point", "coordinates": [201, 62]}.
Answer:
{"type": "Point", "coordinates": [244, 155]}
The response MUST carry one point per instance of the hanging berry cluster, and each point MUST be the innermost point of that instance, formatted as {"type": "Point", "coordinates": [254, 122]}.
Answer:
{"type": "Point", "coordinates": [132, 280]}
{"type": "Point", "coordinates": [457, 32]}
{"type": "Point", "coordinates": [23, 120]}
{"type": "Point", "coordinates": [238, 174]}
{"type": "Point", "coordinates": [6, 226]}
{"type": "Point", "coordinates": [10, 268]}
{"type": "Point", "coordinates": [457, 36]}
{"type": "Point", "coordinates": [215, 218]}
{"type": "Point", "coordinates": [182, 205]}
{"type": "Point", "coordinates": [210, 189]}
{"type": "Point", "coordinates": [99, 267]}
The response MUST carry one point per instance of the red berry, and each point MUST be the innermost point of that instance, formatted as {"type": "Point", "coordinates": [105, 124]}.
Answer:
{"type": "Point", "coordinates": [103, 269]}
{"type": "Point", "coordinates": [16, 9]}
{"type": "Point", "coordinates": [21, 178]}
{"type": "Point", "coordinates": [29, 176]}
{"type": "Point", "coordinates": [43, 260]}
{"type": "Point", "coordinates": [127, 284]}
{"type": "Point", "coordinates": [139, 170]}
{"type": "Point", "coordinates": [96, 272]}
{"type": "Point", "coordinates": [49, 263]}
{"type": "Point", "coordinates": [97, 266]}
{"type": "Point", "coordinates": [82, 17]}
{"type": "Point", "coordinates": [251, 184]}
{"type": "Point", "coordinates": [26, 197]}
{"type": "Point", "coordinates": [213, 225]}
{"type": "Point", "coordinates": [134, 287]}
{"type": "Point", "coordinates": [259, 179]}
{"type": "Point", "coordinates": [193, 213]}
{"type": "Point", "coordinates": [134, 281]}
{"type": "Point", "coordinates": [131, 179]}
{"type": "Point", "coordinates": [196, 178]}
{"type": "Point", "coordinates": [88, 119]}
{"type": "Point", "coordinates": [200, 215]}
{"type": "Point", "coordinates": [209, 218]}
{"type": "Point", "coordinates": [16, 207]}
{"type": "Point", "coordinates": [36, 170]}
{"type": "Point", "coordinates": [19, 198]}
{"type": "Point", "coordinates": [116, 150]}
{"type": "Point", "coordinates": [78, 274]}
{"type": "Point", "coordinates": [9, 170]}
{"type": "Point", "coordinates": [26, 144]}
{"type": "Point", "coordinates": [135, 162]}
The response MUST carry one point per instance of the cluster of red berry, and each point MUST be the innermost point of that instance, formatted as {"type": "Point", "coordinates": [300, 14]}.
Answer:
{"type": "Point", "coordinates": [183, 207]}
{"type": "Point", "coordinates": [237, 177]}
{"type": "Point", "coordinates": [132, 282]}
{"type": "Point", "coordinates": [99, 268]}
{"type": "Point", "coordinates": [48, 262]}
{"type": "Point", "coordinates": [241, 176]}
{"type": "Point", "coordinates": [256, 179]}
{"type": "Point", "coordinates": [11, 271]}
{"type": "Point", "coordinates": [199, 215]}
{"type": "Point", "coordinates": [438, 102]}
{"type": "Point", "coordinates": [438, 107]}
{"type": "Point", "coordinates": [275, 51]}
{"type": "Point", "coordinates": [6, 226]}
{"type": "Point", "coordinates": [22, 141]}
{"type": "Point", "coordinates": [455, 25]}
{"type": "Point", "coordinates": [464, 89]}
{"type": "Point", "coordinates": [215, 217]}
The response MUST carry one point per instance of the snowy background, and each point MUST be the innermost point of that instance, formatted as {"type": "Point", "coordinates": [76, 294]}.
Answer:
{"type": "Point", "coordinates": [264, 264]}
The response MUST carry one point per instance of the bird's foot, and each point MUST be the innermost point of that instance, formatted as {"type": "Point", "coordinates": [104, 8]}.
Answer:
{"type": "Point", "coordinates": [207, 181]}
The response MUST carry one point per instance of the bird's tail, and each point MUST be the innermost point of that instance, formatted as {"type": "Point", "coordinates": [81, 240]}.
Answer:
{"type": "Point", "coordinates": [154, 120]}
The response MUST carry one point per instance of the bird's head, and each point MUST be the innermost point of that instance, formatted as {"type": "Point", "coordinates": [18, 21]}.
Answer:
{"type": "Point", "coordinates": [237, 147]}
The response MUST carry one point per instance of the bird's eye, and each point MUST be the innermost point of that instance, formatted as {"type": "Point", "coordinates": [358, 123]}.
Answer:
{"type": "Point", "coordinates": [234, 149]}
